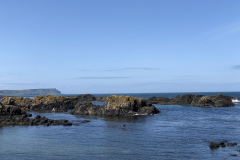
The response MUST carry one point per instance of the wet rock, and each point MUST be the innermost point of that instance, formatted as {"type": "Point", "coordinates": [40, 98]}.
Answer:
{"type": "Point", "coordinates": [231, 144]}
{"type": "Point", "coordinates": [12, 115]}
{"type": "Point", "coordinates": [85, 121]}
{"type": "Point", "coordinates": [234, 155]}
{"type": "Point", "coordinates": [213, 145]}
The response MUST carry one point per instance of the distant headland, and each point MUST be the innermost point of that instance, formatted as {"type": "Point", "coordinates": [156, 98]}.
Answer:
{"type": "Point", "coordinates": [48, 91]}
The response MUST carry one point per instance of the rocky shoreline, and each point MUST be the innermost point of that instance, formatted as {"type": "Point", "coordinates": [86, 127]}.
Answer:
{"type": "Point", "coordinates": [11, 115]}
{"type": "Point", "coordinates": [13, 110]}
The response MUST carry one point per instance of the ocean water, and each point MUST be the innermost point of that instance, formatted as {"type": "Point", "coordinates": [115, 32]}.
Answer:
{"type": "Point", "coordinates": [178, 132]}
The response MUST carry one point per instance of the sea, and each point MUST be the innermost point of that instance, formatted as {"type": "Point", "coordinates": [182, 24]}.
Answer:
{"type": "Point", "coordinates": [177, 133]}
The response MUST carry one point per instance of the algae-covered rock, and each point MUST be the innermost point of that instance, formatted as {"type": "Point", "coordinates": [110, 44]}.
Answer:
{"type": "Point", "coordinates": [127, 105]}
{"type": "Point", "coordinates": [59, 103]}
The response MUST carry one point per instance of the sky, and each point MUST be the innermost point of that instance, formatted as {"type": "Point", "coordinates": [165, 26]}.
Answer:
{"type": "Point", "coordinates": [120, 46]}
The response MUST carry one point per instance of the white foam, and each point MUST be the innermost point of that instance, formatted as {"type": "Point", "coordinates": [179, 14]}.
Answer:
{"type": "Point", "coordinates": [235, 100]}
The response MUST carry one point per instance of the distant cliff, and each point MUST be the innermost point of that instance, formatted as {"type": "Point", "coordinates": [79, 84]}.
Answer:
{"type": "Point", "coordinates": [50, 91]}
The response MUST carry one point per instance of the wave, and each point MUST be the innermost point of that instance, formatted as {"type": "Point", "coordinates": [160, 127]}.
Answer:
{"type": "Point", "coordinates": [235, 100]}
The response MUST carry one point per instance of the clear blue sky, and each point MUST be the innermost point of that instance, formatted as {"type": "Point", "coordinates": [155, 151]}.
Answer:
{"type": "Point", "coordinates": [120, 46]}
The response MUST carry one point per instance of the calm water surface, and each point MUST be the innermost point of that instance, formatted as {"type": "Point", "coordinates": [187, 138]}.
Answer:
{"type": "Point", "coordinates": [178, 132]}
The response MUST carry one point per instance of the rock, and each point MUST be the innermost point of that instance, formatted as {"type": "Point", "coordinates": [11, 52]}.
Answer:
{"type": "Point", "coordinates": [17, 101]}
{"type": "Point", "coordinates": [100, 98]}
{"type": "Point", "coordinates": [87, 109]}
{"type": "Point", "coordinates": [12, 115]}
{"type": "Point", "coordinates": [60, 103]}
{"type": "Point", "coordinates": [234, 155]}
{"type": "Point", "coordinates": [85, 121]}
{"type": "Point", "coordinates": [195, 100]}
{"type": "Point", "coordinates": [159, 100]}
{"type": "Point", "coordinates": [213, 145]}
{"type": "Point", "coordinates": [82, 98]}
{"type": "Point", "coordinates": [39, 103]}
{"type": "Point", "coordinates": [127, 106]}
{"type": "Point", "coordinates": [116, 106]}
{"type": "Point", "coordinates": [231, 144]}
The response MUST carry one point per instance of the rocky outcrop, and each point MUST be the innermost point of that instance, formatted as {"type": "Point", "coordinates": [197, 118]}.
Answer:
{"type": "Point", "coordinates": [195, 100]}
{"type": "Point", "coordinates": [60, 103]}
{"type": "Point", "coordinates": [53, 103]}
{"type": "Point", "coordinates": [17, 101]}
{"type": "Point", "coordinates": [215, 145]}
{"type": "Point", "coordinates": [82, 98]}
{"type": "Point", "coordinates": [11, 115]}
{"type": "Point", "coordinates": [39, 103]}
{"type": "Point", "coordinates": [87, 108]}
{"type": "Point", "coordinates": [117, 106]}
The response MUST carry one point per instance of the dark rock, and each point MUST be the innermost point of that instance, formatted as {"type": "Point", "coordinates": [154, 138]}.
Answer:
{"type": "Point", "coordinates": [87, 109]}
{"type": "Point", "coordinates": [116, 106]}
{"type": "Point", "coordinates": [213, 145]}
{"type": "Point", "coordinates": [12, 115]}
{"type": "Point", "coordinates": [39, 103]}
{"type": "Point", "coordinates": [82, 98]}
{"type": "Point", "coordinates": [234, 155]}
{"type": "Point", "coordinates": [85, 121]}
{"type": "Point", "coordinates": [231, 144]}
{"type": "Point", "coordinates": [195, 100]}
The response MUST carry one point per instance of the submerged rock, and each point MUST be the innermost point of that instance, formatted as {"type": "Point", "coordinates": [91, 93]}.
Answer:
{"type": "Point", "coordinates": [117, 106]}
{"type": "Point", "coordinates": [214, 145]}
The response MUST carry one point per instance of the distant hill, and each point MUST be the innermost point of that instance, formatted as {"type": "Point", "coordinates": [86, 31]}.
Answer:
{"type": "Point", "coordinates": [50, 91]}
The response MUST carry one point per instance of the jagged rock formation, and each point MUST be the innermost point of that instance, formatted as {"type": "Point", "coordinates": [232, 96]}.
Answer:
{"type": "Point", "coordinates": [11, 115]}
{"type": "Point", "coordinates": [39, 103]}
{"type": "Point", "coordinates": [195, 100]}
{"type": "Point", "coordinates": [117, 106]}
{"type": "Point", "coordinates": [50, 91]}
{"type": "Point", "coordinates": [49, 102]}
